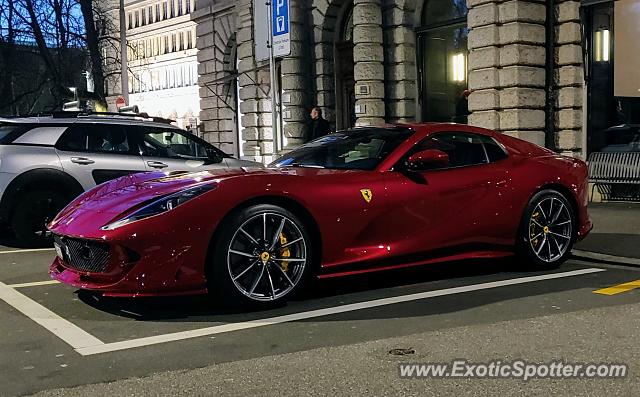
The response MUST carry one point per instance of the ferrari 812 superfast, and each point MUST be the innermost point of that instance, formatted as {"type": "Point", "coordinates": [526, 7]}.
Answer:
{"type": "Point", "coordinates": [357, 201]}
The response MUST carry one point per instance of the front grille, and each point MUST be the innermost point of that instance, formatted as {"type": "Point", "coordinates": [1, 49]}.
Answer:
{"type": "Point", "coordinates": [84, 255]}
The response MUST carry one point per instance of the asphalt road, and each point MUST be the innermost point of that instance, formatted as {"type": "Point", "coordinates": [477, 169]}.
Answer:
{"type": "Point", "coordinates": [334, 340]}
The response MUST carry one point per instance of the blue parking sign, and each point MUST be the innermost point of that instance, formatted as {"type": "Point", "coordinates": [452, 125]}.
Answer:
{"type": "Point", "coordinates": [280, 17]}
{"type": "Point", "coordinates": [280, 28]}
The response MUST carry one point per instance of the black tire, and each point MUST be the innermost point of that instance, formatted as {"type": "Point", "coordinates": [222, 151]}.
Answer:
{"type": "Point", "coordinates": [547, 248]}
{"type": "Point", "coordinates": [223, 262]}
{"type": "Point", "coordinates": [32, 212]}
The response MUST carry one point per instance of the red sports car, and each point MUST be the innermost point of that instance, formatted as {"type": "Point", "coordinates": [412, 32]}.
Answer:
{"type": "Point", "coordinates": [352, 202]}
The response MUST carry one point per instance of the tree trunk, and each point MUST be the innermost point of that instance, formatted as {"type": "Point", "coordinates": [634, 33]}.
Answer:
{"type": "Point", "coordinates": [93, 45]}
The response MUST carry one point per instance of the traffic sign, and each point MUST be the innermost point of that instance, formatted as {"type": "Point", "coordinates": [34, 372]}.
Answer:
{"type": "Point", "coordinates": [120, 102]}
{"type": "Point", "coordinates": [280, 28]}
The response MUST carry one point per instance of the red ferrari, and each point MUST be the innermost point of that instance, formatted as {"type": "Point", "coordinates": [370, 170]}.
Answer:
{"type": "Point", "coordinates": [358, 201]}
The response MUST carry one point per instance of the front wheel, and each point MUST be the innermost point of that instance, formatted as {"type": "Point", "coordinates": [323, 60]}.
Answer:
{"type": "Point", "coordinates": [262, 257]}
{"type": "Point", "coordinates": [547, 230]}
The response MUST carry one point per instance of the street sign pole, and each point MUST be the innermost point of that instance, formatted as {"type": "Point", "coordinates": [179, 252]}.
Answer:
{"type": "Point", "coordinates": [274, 84]}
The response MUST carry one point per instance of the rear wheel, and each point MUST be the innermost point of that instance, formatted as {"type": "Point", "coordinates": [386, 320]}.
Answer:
{"type": "Point", "coordinates": [547, 231]}
{"type": "Point", "coordinates": [263, 256]}
{"type": "Point", "coordinates": [32, 212]}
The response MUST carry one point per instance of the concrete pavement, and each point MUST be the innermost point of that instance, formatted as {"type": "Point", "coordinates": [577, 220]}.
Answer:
{"type": "Point", "coordinates": [598, 335]}
{"type": "Point", "coordinates": [616, 230]}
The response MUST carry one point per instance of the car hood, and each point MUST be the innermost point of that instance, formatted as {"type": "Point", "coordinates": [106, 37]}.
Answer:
{"type": "Point", "coordinates": [111, 200]}
{"type": "Point", "coordinates": [103, 203]}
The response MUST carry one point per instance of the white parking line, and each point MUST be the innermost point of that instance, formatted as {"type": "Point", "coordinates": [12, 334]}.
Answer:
{"type": "Point", "coordinates": [75, 336]}
{"type": "Point", "coordinates": [219, 329]}
{"type": "Point", "coordinates": [28, 250]}
{"type": "Point", "coordinates": [34, 284]}
{"type": "Point", "coordinates": [86, 344]}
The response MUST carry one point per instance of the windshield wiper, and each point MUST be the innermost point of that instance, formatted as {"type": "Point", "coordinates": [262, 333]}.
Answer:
{"type": "Point", "coordinates": [304, 165]}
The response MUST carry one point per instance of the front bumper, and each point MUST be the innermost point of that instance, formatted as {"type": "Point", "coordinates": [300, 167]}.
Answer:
{"type": "Point", "coordinates": [134, 267]}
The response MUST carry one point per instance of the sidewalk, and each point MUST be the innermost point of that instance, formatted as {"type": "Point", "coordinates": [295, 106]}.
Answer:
{"type": "Point", "coordinates": [616, 230]}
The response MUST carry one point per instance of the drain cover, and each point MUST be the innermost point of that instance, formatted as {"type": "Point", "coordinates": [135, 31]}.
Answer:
{"type": "Point", "coordinates": [402, 352]}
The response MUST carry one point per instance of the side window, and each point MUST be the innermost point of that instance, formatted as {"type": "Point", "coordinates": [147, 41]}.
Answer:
{"type": "Point", "coordinates": [97, 138]}
{"type": "Point", "coordinates": [463, 149]}
{"type": "Point", "coordinates": [495, 151]}
{"type": "Point", "coordinates": [158, 142]}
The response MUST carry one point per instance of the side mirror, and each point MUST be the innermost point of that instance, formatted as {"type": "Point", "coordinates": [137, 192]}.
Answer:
{"type": "Point", "coordinates": [431, 158]}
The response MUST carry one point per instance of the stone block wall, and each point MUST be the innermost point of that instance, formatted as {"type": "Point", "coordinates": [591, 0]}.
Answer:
{"type": "Point", "coordinates": [506, 67]}
{"type": "Point", "coordinates": [399, 19]}
{"type": "Point", "coordinates": [568, 78]}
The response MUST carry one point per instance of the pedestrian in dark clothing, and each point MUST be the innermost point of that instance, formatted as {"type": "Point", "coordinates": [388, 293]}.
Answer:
{"type": "Point", "coordinates": [318, 126]}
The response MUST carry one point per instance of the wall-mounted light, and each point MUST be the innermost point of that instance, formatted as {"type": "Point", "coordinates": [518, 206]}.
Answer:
{"type": "Point", "coordinates": [459, 67]}
{"type": "Point", "coordinates": [602, 41]}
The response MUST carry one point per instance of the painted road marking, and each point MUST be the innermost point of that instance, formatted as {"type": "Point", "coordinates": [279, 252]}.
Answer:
{"type": "Point", "coordinates": [219, 329]}
{"type": "Point", "coordinates": [73, 335]}
{"type": "Point", "coordinates": [618, 289]}
{"type": "Point", "coordinates": [34, 284]}
{"type": "Point", "coordinates": [29, 250]}
{"type": "Point", "coordinates": [86, 344]}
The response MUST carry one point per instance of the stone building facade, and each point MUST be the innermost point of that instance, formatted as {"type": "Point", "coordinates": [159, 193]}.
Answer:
{"type": "Point", "coordinates": [367, 62]}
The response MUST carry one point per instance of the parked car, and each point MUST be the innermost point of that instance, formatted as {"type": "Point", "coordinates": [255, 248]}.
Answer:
{"type": "Point", "coordinates": [351, 202]}
{"type": "Point", "coordinates": [622, 138]}
{"type": "Point", "coordinates": [45, 162]}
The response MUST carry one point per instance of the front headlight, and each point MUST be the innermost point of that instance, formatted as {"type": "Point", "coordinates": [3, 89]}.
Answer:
{"type": "Point", "coordinates": [164, 204]}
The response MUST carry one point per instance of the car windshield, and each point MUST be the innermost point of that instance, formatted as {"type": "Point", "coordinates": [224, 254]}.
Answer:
{"type": "Point", "coordinates": [358, 149]}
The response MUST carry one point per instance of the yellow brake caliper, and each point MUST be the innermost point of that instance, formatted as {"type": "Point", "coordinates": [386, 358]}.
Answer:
{"type": "Point", "coordinates": [532, 229]}
{"type": "Point", "coordinates": [284, 253]}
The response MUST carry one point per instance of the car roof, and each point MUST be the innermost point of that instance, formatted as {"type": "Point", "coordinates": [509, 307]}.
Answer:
{"type": "Point", "coordinates": [75, 118]}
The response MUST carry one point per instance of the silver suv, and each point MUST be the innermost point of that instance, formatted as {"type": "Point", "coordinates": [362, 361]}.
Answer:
{"type": "Point", "coordinates": [47, 161]}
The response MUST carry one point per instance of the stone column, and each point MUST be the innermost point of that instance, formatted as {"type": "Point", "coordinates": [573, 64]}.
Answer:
{"type": "Point", "coordinates": [569, 78]}
{"type": "Point", "coordinates": [256, 106]}
{"type": "Point", "coordinates": [368, 56]}
{"type": "Point", "coordinates": [400, 60]}
{"type": "Point", "coordinates": [506, 63]}
{"type": "Point", "coordinates": [295, 79]}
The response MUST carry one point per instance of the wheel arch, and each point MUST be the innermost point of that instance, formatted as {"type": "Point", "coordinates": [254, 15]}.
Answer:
{"type": "Point", "coordinates": [287, 203]}
{"type": "Point", "coordinates": [568, 194]}
{"type": "Point", "coordinates": [47, 178]}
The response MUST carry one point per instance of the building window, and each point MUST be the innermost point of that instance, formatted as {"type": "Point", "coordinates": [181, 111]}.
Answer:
{"type": "Point", "coordinates": [157, 12]}
{"type": "Point", "coordinates": [137, 19]}
{"type": "Point", "coordinates": [173, 43]}
{"type": "Point", "coordinates": [181, 41]}
{"type": "Point", "coordinates": [144, 17]}
{"type": "Point", "coordinates": [172, 9]}
{"type": "Point", "coordinates": [179, 7]}
{"type": "Point", "coordinates": [166, 44]}
{"type": "Point", "coordinates": [442, 61]}
{"type": "Point", "coordinates": [188, 6]}
{"type": "Point", "coordinates": [130, 21]}
{"type": "Point", "coordinates": [164, 10]}
{"type": "Point", "coordinates": [150, 11]}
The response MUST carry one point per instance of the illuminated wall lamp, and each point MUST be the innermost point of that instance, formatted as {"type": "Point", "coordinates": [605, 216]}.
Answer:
{"type": "Point", "coordinates": [602, 45]}
{"type": "Point", "coordinates": [459, 68]}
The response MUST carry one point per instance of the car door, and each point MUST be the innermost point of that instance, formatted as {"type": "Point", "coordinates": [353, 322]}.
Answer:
{"type": "Point", "coordinates": [95, 153]}
{"type": "Point", "coordinates": [170, 149]}
{"type": "Point", "coordinates": [454, 206]}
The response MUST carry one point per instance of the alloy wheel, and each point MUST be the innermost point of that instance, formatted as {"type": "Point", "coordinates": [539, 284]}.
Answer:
{"type": "Point", "coordinates": [550, 229]}
{"type": "Point", "coordinates": [267, 257]}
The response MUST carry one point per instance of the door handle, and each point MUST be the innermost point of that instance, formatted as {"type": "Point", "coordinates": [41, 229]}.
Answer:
{"type": "Point", "coordinates": [82, 160]}
{"type": "Point", "coordinates": [156, 164]}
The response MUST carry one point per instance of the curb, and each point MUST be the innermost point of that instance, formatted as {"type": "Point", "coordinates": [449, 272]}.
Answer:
{"type": "Point", "coordinates": [620, 260]}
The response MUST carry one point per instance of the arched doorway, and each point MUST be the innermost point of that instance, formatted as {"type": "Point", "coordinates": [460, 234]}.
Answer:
{"type": "Point", "coordinates": [345, 81]}
{"type": "Point", "coordinates": [442, 61]}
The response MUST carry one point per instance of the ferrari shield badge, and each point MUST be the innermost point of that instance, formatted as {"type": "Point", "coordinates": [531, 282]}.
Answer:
{"type": "Point", "coordinates": [367, 194]}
